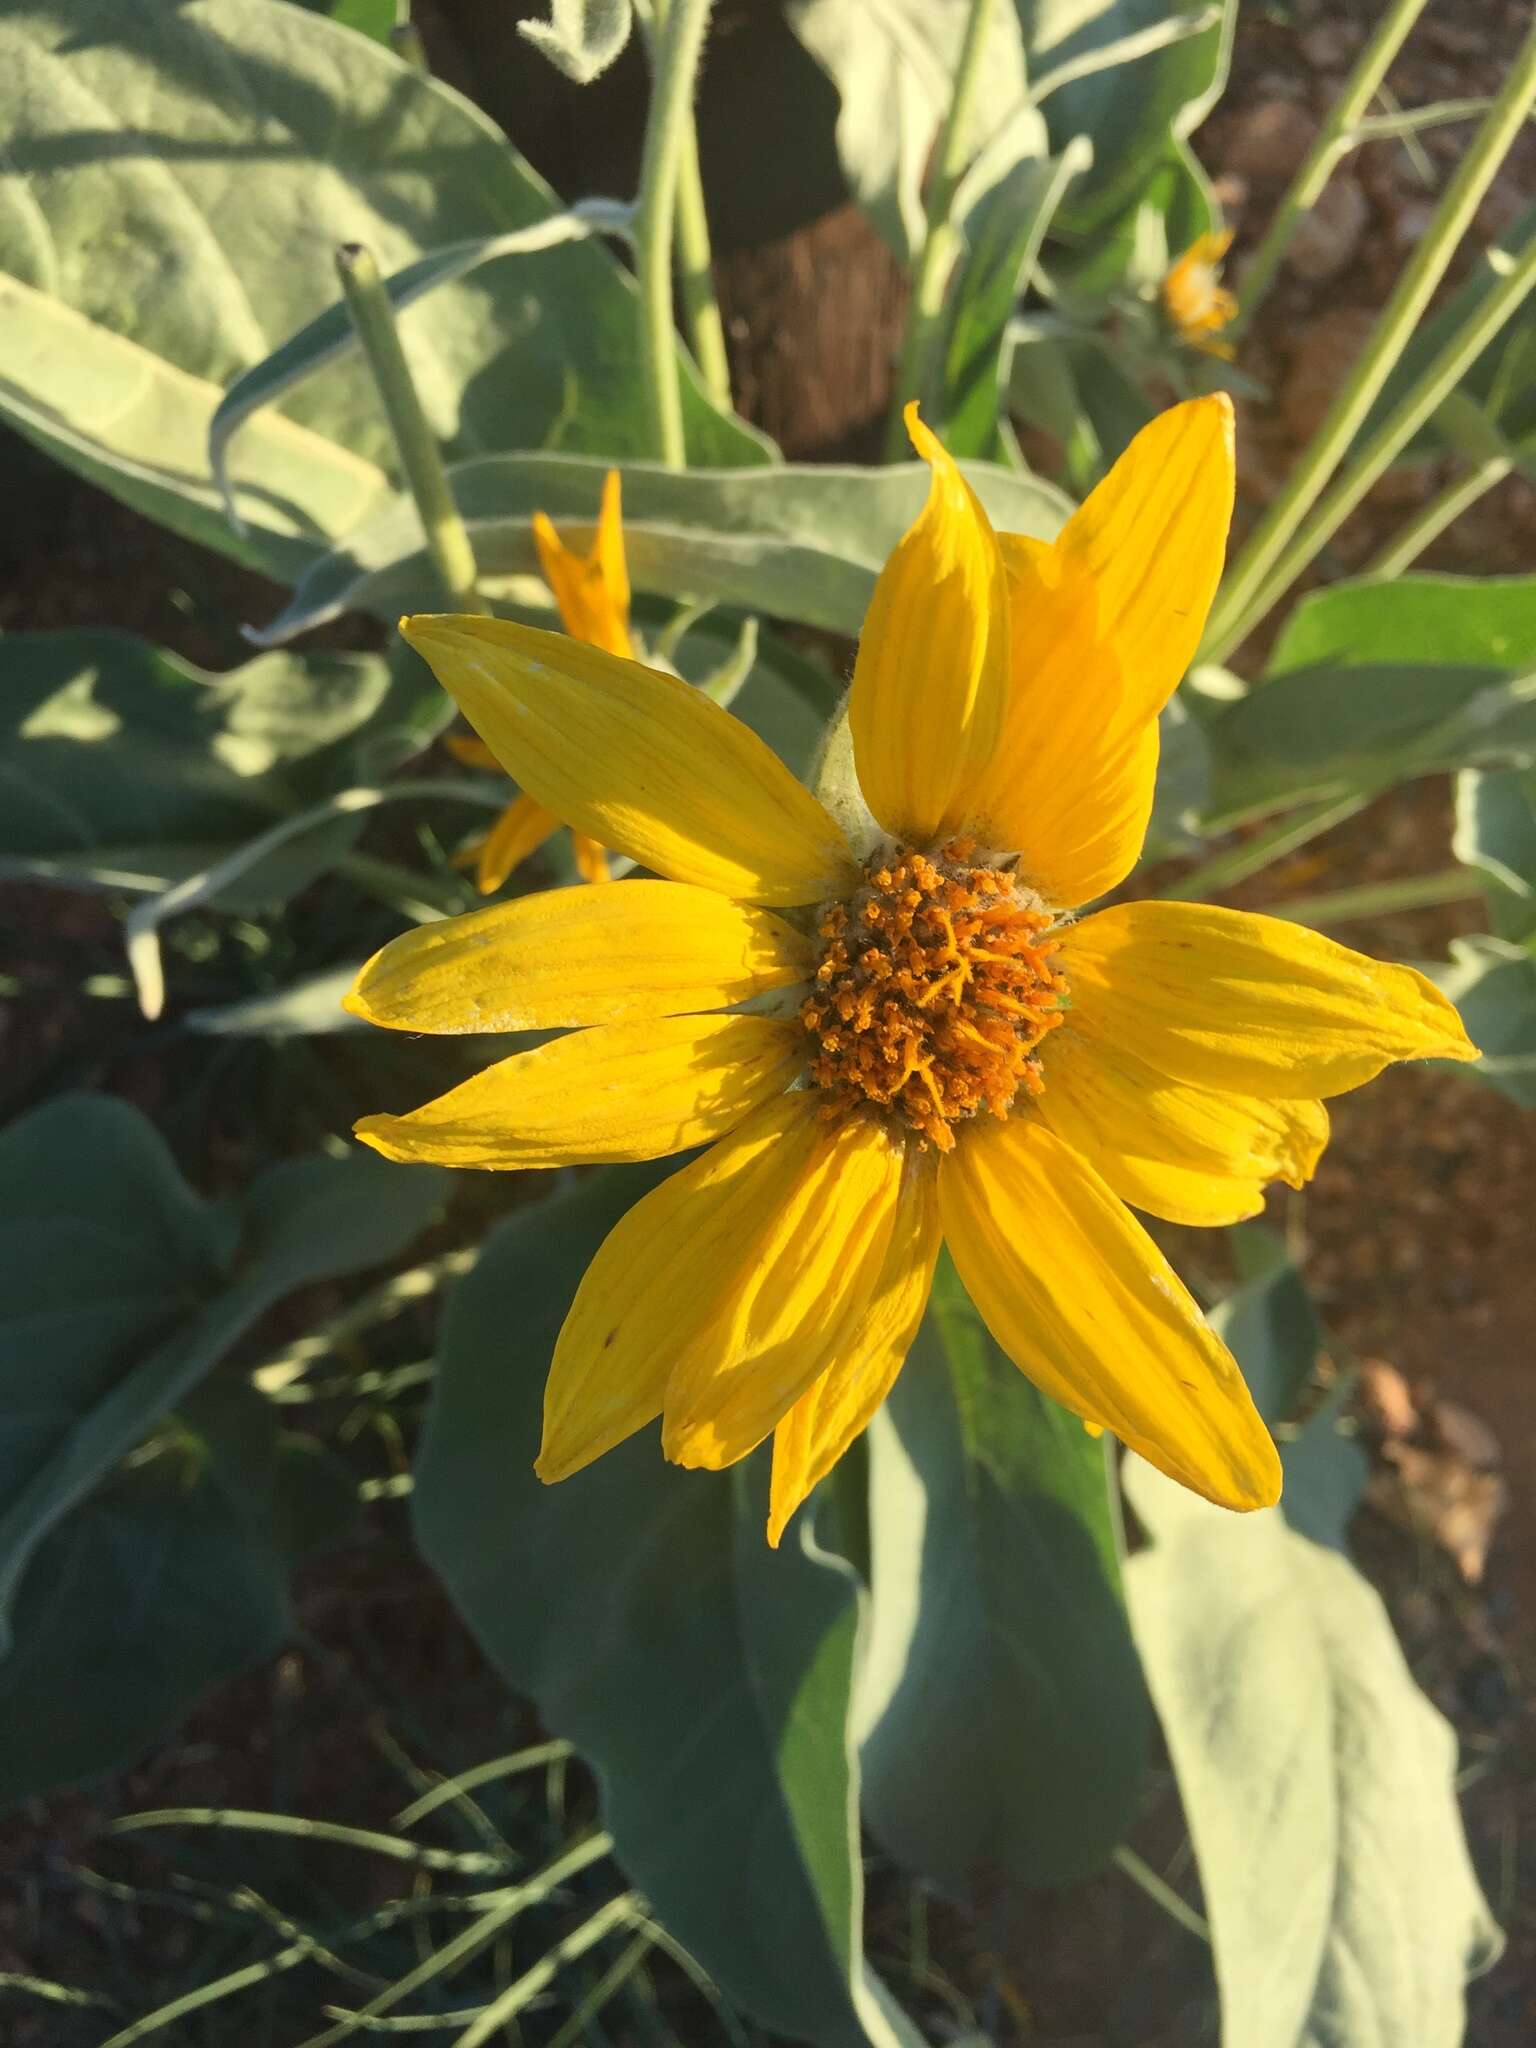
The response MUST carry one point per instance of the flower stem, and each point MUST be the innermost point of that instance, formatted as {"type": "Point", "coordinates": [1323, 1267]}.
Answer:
{"type": "Point", "coordinates": [1413, 410]}
{"type": "Point", "coordinates": [1235, 612]}
{"type": "Point", "coordinates": [405, 41]}
{"type": "Point", "coordinates": [695, 262]}
{"type": "Point", "coordinates": [1326, 153]}
{"type": "Point", "coordinates": [1447, 506]}
{"type": "Point", "coordinates": [1378, 899]}
{"type": "Point", "coordinates": [675, 62]}
{"type": "Point", "coordinates": [1474, 437]}
{"type": "Point", "coordinates": [1225, 870]}
{"type": "Point", "coordinates": [940, 237]}
{"type": "Point", "coordinates": [374, 319]}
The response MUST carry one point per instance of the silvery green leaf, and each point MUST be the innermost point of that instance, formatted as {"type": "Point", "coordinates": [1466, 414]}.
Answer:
{"type": "Point", "coordinates": [1492, 982]}
{"type": "Point", "coordinates": [1318, 1782]}
{"type": "Point", "coordinates": [893, 63]}
{"type": "Point", "coordinates": [581, 37]}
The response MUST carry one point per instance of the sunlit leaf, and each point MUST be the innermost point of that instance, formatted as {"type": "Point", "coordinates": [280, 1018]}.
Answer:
{"type": "Point", "coordinates": [1374, 682]}
{"type": "Point", "coordinates": [794, 543]}
{"type": "Point", "coordinates": [1318, 1783]}
{"type": "Point", "coordinates": [1134, 111]}
{"type": "Point", "coordinates": [1004, 236]}
{"type": "Point", "coordinates": [893, 65]}
{"type": "Point", "coordinates": [177, 177]}
{"type": "Point", "coordinates": [123, 767]}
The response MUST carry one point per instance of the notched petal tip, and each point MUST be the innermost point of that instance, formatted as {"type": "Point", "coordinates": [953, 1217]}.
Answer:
{"type": "Point", "coordinates": [373, 1131]}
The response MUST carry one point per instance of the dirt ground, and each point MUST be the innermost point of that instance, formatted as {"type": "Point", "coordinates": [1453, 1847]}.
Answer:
{"type": "Point", "coordinates": [1416, 1231]}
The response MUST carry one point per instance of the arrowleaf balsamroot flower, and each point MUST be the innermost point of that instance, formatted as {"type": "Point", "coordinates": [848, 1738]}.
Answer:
{"type": "Point", "coordinates": [1197, 303]}
{"type": "Point", "coordinates": [889, 1039]}
{"type": "Point", "coordinates": [592, 593]}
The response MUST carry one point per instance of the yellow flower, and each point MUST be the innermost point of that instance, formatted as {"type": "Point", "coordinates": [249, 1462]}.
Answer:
{"type": "Point", "coordinates": [1197, 303]}
{"type": "Point", "coordinates": [592, 592]}
{"type": "Point", "coordinates": [894, 1032]}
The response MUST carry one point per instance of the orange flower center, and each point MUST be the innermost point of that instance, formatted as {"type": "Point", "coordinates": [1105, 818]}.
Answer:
{"type": "Point", "coordinates": [934, 987]}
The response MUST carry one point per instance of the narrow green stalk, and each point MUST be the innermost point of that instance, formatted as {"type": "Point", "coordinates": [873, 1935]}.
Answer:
{"type": "Point", "coordinates": [405, 41]}
{"type": "Point", "coordinates": [1327, 152]}
{"type": "Point", "coordinates": [1226, 870]}
{"type": "Point", "coordinates": [501, 2011]}
{"type": "Point", "coordinates": [1163, 1894]}
{"type": "Point", "coordinates": [940, 235]}
{"type": "Point", "coordinates": [1234, 614]}
{"type": "Point", "coordinates": [696, 277]}
{"type": "Point", "coordinates": [1427, 525]}
{"type": "Point", "coordinates": [1412, 411]}
{"type": "Point", "coordinates": [374, 318]}
{"type": "Point", "coordinates": [469, 1863]}
{"type": "Point", "coordinates": [695, 261]}
{"type": "Point", "coordinates": [676, 50]}
{"type": "Point", "coordinates": [1378, 899]}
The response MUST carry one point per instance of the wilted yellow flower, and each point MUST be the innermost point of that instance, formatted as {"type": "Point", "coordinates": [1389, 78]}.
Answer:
{"type": "Point", "coordinates": [592, 592]}
{"type": "Point", "coordinates": [888, 1029]}
{"type": "Point", "coordinates": [1197, 303]}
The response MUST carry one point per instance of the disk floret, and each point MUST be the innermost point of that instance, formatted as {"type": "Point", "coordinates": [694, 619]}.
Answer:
{"type": "Point", "coordinates": [934, 988]}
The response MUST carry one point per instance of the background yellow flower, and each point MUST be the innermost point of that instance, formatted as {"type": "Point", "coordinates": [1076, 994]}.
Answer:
{"type": "Point", "coordinates": [592, 593]}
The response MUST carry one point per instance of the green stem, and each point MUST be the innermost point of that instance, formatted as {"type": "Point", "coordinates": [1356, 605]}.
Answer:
{"type": "Point", "coordinates": [940, 237]}
{"type": "Point", "coordinates": [1427, 525]}
{"type": "Point", "coordinates": [1141, 1873]}
{"type": "Point", "coordinates": [1414, 409]}
{"type": "Point", "coordinates": [695, 264]}
{"type": "Point", "coordinates": [1327, 151]}
{"type": "Point", "coordinates": [678, 44]}
{"type": "Point", "coordinates": [409, 889]}
{"type": "Point", "coordinates": [1226, 870]}
{"type": "Point", "coordinates": [405, 41]}
{"type": "Point", "coordinates": [1379, 899]}
{"type": "Point", "coordinates": [1234, 613]}
{"type": "Point", "coordinates": [374, 319]}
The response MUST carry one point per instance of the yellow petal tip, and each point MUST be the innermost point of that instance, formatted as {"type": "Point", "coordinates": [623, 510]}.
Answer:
{"type": "Point", "coordinates": [923, 438]}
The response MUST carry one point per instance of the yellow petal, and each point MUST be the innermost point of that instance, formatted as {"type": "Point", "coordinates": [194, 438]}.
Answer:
{"type": "Point", "coordinates": [1152, 538]}
{"type": "Point", "coordinates": [591, 859]}
{"type": "Point", "coordinates": [839, 1406]}
{"type": "Point", "coordinates": [1231, 999]}
{"type": "Point", "coordinates": [469, 748]}
{"type": "Point", "coordinates": [591, 590]}
{"type": "Point", "coordinates": [638, 760]}
{"type": "Point", "coordinates": [1189, 1154]}
{"type": "Point", "coordinates": [619, 1091]}
{"type": "Point", "coordinates": [662, 1282]}
{"type": "Point", "coordinates": [811, 1253]}
{"type": "Point", "coordinates": [1070, 786]}
{"type": "Point", "coordinates": [521, 829]}
{"type": "Point", "coordinates": [931, 675]}
{"type": "Point", "coordinates": [1088, 1308]}
{"type": "Point", "coordinates": [1104, 622]}
{"type": "Point", "coordinates": [579, 956]}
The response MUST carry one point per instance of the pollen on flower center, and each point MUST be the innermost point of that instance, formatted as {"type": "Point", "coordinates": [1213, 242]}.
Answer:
{"type": "Point", "coordinates": [934, 987]}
